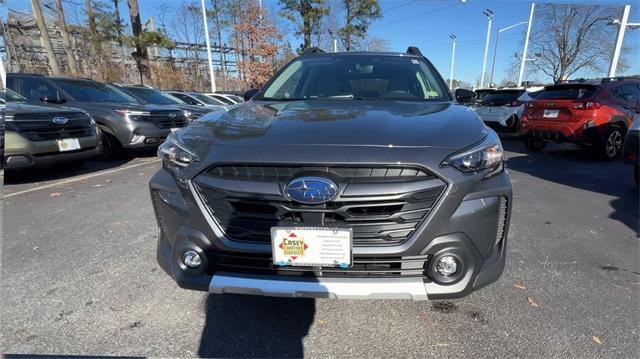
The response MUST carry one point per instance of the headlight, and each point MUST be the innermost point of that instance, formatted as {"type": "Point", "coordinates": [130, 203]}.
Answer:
{"type": "Point", "coordinates": [176, 157]}
{"type": "Point", "coordinates": [488, 155]}
{"type": "Point", "coordinates": [187, 114]}
{"type": "Point", "coordinates": [132, 114]}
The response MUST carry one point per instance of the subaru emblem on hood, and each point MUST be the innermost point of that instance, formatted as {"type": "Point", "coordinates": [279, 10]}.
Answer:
{"type": "Point", "coordinates": [172, 115]}
{"type": "Point", "coordinates": [60, 120]}
{"type": "Point", "coordinates": [311, 190]}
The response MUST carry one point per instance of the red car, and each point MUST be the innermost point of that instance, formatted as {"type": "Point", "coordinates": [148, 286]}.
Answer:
{"type": "Point", "coordinates": [592, 113]}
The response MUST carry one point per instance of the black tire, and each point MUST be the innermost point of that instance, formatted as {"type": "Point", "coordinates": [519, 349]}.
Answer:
{"type": "Point", "coordinates": [111, 148]}
{"type": "Point", "coordinates": [534, 144]}
{"type": "Point", "coordinates": [610, 144]}
{"type": "Point", "coordinates": [513, 123]}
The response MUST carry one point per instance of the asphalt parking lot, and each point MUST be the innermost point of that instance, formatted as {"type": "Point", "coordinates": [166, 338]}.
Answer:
{"type": "Point", "coordinates": [80, 277]}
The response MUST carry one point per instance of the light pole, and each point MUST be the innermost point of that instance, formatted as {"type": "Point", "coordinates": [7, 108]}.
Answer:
{"type": "Point", "coordinates": [206, 37]}
{"type": "Point", "coordinates": [495, 48]}
{"type": "Point", "coordinates": [489, 14]}
{"type": "Point", "coordinates": [453, 56]}
{"type": "Point", "coordinates": [620, 37]}
{"type": "Point", "coordinates": [526, 45]}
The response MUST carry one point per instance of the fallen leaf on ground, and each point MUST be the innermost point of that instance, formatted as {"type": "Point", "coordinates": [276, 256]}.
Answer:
{"type": "Point", "coordinates": [520, 286]}
{"type": "Point", "coordinates": [320, 321]}
{"type": "Point", "coordinates": [107, 181]}
{"type": "Point", "coordinates": [532, 302]}
{"type": "Point", "coordinates": [55, 194]}
{"type": "Point", "coordinates": [35, 248]}
{"type": "Point", "coordinates": [596, 340]}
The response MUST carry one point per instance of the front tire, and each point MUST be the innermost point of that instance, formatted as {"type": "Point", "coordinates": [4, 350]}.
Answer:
{"type": "Point", "coordinates": [111, 148]}
{"type": "Point", "coordinates": [610, 144]}
{"type": "Point", "coordinates": [534, 144]}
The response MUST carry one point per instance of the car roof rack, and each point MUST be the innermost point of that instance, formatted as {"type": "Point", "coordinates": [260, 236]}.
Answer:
{"type": "Point", "coordinates": [312, 51]}
{"type": "Point", "coordinates": [619, 78]}
{"type": "Point", "coordinates": [413, 50]}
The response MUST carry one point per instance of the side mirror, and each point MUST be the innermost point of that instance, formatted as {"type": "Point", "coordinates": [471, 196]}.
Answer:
{"type": "Point", "coordinates": [465, 96]}
{"type": "Point", "coordinates": [53, 100]}
{"type": "Point", "coordinates": [250, 93]}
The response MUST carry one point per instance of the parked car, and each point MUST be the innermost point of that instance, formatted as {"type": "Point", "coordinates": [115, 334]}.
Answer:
{"type": "Point", "coordinates": [228, 99]}
{"type": "Point", "coordinates": [632, 146]}
{"type": "Point", "coordinates": [482, 93]}
{"type": "Point", "coordinates": [592, 113]}
{"type": "Point", "coordinates": [156, 97]}
{"type": "Point", "coordinates": [41, 135]}
{"type": "Point", "coordinates": [125, 122]}
{"type": "Point", "coordinates": [502, 109]}
{"type": "Point", "coordinates": [362, 179]}
{"type": "Point", "coordinates": [198, 99]}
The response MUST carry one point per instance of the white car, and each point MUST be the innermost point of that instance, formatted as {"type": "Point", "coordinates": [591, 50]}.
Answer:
{"type": "Point", "coordinates": [198, 99]}
{"type": "Point", "coordinates": [228, 99]}
{"type": "Point", "coordinates": [503, 108]}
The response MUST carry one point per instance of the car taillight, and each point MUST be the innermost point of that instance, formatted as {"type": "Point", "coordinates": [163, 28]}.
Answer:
{"type": "Point", "coordinates": [514, 104]}
{"type": "Point", "coordinates": [587, 105]}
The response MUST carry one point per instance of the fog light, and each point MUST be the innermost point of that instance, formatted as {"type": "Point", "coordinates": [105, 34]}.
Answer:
{"type": "Point", "coordinates": [191, 259]}
{"type": "Point", "coordinates": [447, 266]}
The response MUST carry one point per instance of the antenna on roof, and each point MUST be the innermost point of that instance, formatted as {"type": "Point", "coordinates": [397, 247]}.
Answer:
{"type": "Point", "coordinates": [312, 51]}
{"type": "Point", "coordinates": [413, 50]}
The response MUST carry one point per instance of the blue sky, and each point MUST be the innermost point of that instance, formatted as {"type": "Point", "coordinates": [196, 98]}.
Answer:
{"type": "Point", "coordinates": [428, 23]}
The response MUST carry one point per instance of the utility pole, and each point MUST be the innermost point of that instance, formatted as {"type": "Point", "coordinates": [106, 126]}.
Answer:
{"type": "Point", "coordinates": [526, 45]}
{"type": "Point", "coordinates": [206, 37]}
{"type": "Point", "coordinates": [64, 32]}
{"type": "Point", "coordinates": [119, 34]}
{"type": "Point", "coordinates": [495, 49]}
{"type": "Point", "coordinates": [44, 36]}
{"type": "Point", "coordinates": [489, 14]}
{"type": "Point", "coordinates": [3, 74]}
{"type": "Point", "coordinates": [453, 56]}
{"type": "Point", "coordinates": [223, 59]}
{"type": "Point", "coordinates": [620, 38]}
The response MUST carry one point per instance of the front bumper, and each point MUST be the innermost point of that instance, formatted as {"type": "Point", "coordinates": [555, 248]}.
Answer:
{"type": "Point", "coordinates": [468, 222]}
{"type": "Point", "coordinates": [23, 153]}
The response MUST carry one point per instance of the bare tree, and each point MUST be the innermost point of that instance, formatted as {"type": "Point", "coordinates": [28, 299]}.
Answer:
{"type": "Point", "coordinates": [64, 32]}
{"type": "Point", "coordinates": [568, 38]}
{"type": "Point", "coordinates": [140, 55]}
{"type": "Point", "coordinates": [44, 35]}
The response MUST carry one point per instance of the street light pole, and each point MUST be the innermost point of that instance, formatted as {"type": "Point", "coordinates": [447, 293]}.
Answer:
{"type": "Point", "coordinates": [206, 37]}
{"type": "Point", "coordinates": [495, 49]}
{"type": "Point", "coordinates": [526, 45]}
{"type": "Point", "coordinates": [489, 14]}
{"type": "Point", "coordinates": [620, 38]}
{"type": "Point", "coordinates": [453, 56]}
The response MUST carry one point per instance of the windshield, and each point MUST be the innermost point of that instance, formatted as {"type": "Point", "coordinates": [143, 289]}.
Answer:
{"type": "Point", "coordinates": [204, 98]}
{"type": "Point", "coordinates": [90, 91]}
{"type": "Point", "coordinates": [11, 96]}
{"type": "Point", "coordinates": [153, 96]}
{"type": "Point", "coordinates": [567, 92]}
{"type": "Point", "coordinates": [357, 77]}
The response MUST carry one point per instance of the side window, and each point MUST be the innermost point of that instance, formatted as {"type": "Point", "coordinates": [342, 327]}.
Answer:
{"type": "Point", "coordinates": [35, 89]}
{"type": "Point", "coordinates": [628, 94]}
{"type": "Point", "coordinates": [185, 98]}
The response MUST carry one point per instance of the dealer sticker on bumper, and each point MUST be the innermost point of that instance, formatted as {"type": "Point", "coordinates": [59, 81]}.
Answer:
{"type": "Point", "coordinates": [311, 246]}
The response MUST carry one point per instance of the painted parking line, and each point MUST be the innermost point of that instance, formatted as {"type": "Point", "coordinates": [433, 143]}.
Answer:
{"type": "Point", "coordinates": [81, 178]}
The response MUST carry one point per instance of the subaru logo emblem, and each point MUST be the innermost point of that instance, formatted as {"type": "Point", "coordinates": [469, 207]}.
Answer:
{"type": "Point", "coordinates": [172, 115]}
{"type": "Point", "coordinates": [311, 190]}
{"type": "Point", "coordinates": [60, 120]}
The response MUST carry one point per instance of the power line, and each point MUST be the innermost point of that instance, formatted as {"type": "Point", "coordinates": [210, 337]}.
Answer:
{"type": "Point", "coordinates": [414, 16]}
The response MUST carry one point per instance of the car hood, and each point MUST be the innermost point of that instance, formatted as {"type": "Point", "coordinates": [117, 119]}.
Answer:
{"type": "Point", "coordinates": [13, 108]}
{"type": "Point", "coordinates": [338, 123]}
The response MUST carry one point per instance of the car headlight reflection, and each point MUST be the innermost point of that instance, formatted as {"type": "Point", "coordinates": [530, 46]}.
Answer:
{"type": "Point", "coordinates": [488, 155]}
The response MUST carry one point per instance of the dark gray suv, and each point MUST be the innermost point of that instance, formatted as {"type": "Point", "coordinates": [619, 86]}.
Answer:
{"type": "Point", "coordinates": [124, 121]}
{"type": "Point", "coordinates": [348, 175]}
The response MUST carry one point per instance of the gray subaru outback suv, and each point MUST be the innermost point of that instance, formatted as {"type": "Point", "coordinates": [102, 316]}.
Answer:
{"type": "Point", "coordinates": [348, 175]}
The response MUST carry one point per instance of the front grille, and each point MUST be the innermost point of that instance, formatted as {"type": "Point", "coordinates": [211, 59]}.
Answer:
{"type": "Point", "coordinates": [376, 219]}
{"type": "Point", "coordinates": [162, 120]}
{"type": "Point", "coordinates": [283, 173]}
{"type": "Point", "coordinates": [40, 126]}
{"type": "Point", "coordinates": [362, 266]}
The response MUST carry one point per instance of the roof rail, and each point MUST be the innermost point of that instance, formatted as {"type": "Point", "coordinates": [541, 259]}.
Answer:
{"type": "Point", "coordinates": [619, 78]}
{"type": "Point", "coordinates": [312, 51]}
{"type": "Point", "coordinates": [413, 50]}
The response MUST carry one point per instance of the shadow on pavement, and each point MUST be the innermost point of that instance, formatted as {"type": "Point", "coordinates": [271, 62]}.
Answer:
{"type": "Point", "coordinates": [573, 166]}
{"type": "Point", "coordinates": [241, 326]}
{"type": "Point", "coordinates": [72, 169]}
